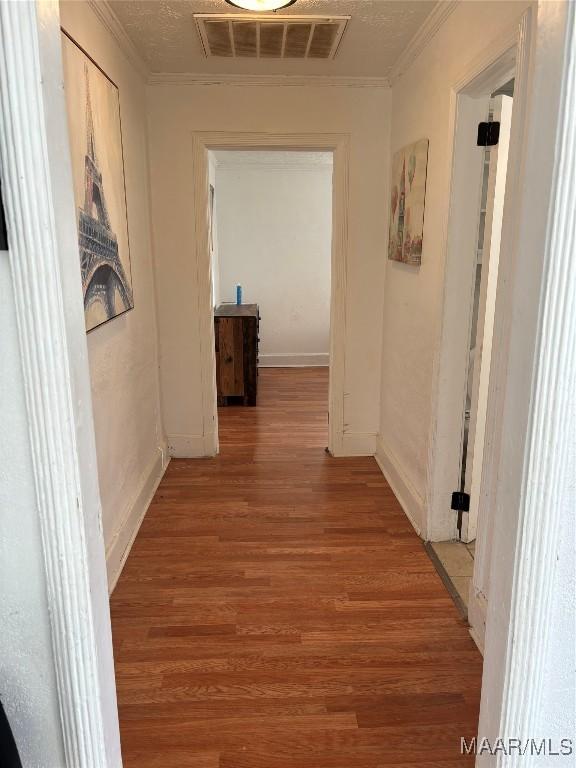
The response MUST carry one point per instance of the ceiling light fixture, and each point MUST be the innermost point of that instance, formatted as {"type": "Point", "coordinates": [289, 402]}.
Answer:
{"type": "Point", "coordinates": [261, 5]}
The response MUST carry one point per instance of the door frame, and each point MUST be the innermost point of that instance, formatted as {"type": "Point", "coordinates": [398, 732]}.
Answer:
{"type": "Point", "coordinates": [43, 255]}
{"type": "Point", "coordinates": [339, 145]}
{"type": "Point", "coordinates": [506, 57]}
{"type": "Point", "coordinates": [529, 651]}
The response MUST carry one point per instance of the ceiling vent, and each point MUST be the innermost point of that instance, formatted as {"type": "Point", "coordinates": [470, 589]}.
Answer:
{"type": "Point", "coordinates": [281, 37]}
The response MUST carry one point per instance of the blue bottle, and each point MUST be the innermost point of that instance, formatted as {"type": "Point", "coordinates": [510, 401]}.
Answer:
{"type": "Point", "coordinates": [238, 294]}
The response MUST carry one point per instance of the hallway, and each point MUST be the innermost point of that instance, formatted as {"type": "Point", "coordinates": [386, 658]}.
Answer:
{"type": "Point", "coordinates": [277, 610]}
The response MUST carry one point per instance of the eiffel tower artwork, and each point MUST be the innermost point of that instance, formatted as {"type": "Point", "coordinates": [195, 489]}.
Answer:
{"type": "Point", "coordinates": [104, 251]}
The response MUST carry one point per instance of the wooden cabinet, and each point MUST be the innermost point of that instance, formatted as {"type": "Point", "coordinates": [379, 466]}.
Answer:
{"type": "Point", "coordinates": [236, 336]}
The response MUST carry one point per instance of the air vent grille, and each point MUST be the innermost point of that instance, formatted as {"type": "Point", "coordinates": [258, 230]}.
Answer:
{"type": "Point", "coordinates": [271, 41]}
{"type": "Point", "coordinates": [283, 37]}
{"type": "Point", "coordinates": [219, 38]}
{"type": "Point", "coordinates": [323, 38]}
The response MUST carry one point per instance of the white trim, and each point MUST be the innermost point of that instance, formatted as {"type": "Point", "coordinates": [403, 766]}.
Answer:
{"type": "Point", "coordinates": [489, 480]}
{"type": "Point", "coordinates": [535, 404]}
{"type": "Point", "coordinates": [294, 360]}
{"type": "Point", "coordinates": [191, 446]}
{"type": "Point", "coordinates": [441, 11]}
{"type": "Point", "coordinates": [359, 444]}
{"type": "Point", "coordinates": [123, 537]}
{"type": "Point", "coordinates": [407, 495]}
{"type": "Point", "coordinates": [477, 612]}
{"type": "Point", "coordinates": [37, 188]}
{"type": "Point", "coordinates": [339, 144]}
{"type": "Point", "coordinates": [205, 308]}
{"type": "Point", "coordinates": [103, 11]}
{"type": "Point", "coordinates": [495, 63]}
{"type": "Point", "coordinates": [451, 365]}
{"type": "Point", "coordinates": [267, 81]}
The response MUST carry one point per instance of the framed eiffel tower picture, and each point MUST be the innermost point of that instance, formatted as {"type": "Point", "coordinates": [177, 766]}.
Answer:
{"type": "Point", "coordinates": [99, 186]}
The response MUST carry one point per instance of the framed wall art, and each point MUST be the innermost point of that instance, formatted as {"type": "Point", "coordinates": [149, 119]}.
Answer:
{"type": "Point", "coordinates": [99, 186]}
{"type": "Point", "coordinates": [407, 201]}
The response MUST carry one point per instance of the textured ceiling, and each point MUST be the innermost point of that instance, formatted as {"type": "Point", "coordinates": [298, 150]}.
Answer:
{"type": "Point", "coordinates": [165, 35]}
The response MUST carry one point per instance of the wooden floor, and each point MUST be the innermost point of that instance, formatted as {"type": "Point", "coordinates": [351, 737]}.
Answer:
{"type": "Point", "coordinates": [278, 611]}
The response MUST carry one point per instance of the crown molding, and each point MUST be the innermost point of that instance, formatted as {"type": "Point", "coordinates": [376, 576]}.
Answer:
{"type": "Point", "coordinates": [108, 18]}
{"type": "Point", "coordinates": [316, 81]}
{"type": "Point", "coordinates": [423, 36]}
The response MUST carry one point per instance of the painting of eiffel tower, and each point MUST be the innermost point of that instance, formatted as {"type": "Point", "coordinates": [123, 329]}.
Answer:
{"type": "Point", "coordinates": [99, 187]}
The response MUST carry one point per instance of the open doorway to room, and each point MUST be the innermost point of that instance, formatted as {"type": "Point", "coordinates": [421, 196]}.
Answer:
{"type": "Point", "coordinates": [274, 239]}
{"type": "Point", "coordinates": [270, 242]}
{"type": "Point", "coordinates": [464, 561]}
{"type": "Point", "coordinates": [336, 146]}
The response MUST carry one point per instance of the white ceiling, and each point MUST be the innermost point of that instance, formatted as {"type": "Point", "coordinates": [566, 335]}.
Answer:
{"type": "Point", "coordinates": [164, 33]}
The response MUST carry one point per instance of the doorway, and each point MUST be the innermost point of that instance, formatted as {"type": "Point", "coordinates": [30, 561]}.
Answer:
{"type": "Point", "coordinates": [338, 148]}
{"type": "Point", "coordinates": [270, 244]}
{"type": "Point", "coordinates": [494, 173]}
{"type": "Point", "coordinates": [480, 181]}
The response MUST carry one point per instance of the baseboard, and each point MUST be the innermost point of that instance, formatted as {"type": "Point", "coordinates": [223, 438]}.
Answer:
{"type": "Point", "coordinates": [294, 360]}
{"type": "Point", "coordinates": [358, 444]}
{"type": "Point", "coordinates": [192, 446]}
{"type": "Point", "coordinates": [121, 543]}
{"type": "Point", "coordinates": [410, 500]}
{"type": "Point", "coordinates": [477, 612]}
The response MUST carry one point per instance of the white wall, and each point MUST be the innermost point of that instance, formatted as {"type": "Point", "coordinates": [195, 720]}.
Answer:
{"type": "Point", "coordinates": [275, 235]}
{"type": "Point", "coordinates": [175, 111]}
{"type": "Point", "coordinates": [123, 352]}
{"type": "Point", "coordinates": [413, 296]}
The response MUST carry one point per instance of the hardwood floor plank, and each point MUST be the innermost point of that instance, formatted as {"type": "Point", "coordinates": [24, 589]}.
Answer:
{"type": "Point", "coordinates": [278, 611]}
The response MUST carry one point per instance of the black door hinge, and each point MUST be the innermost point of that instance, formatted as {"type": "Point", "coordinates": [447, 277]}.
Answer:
{"type": "Point", "coordinates": [488, 134]}
{"type": "Point", "coordinates": [3, 233]}
{"type": "Point", "coordinates": [461, 501]}
{"type": "Point", "coordinates": [461, 504]}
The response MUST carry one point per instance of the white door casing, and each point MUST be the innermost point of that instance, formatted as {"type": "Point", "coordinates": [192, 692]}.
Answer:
{"type": "Point", "coordinates": [338, 144]}
{"type": "Point", "coordinates": [528, 681]}
{"type": "Point", "coordinates": [502, 59]}
{"type": "Point", "coordinates": [43, 254]}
